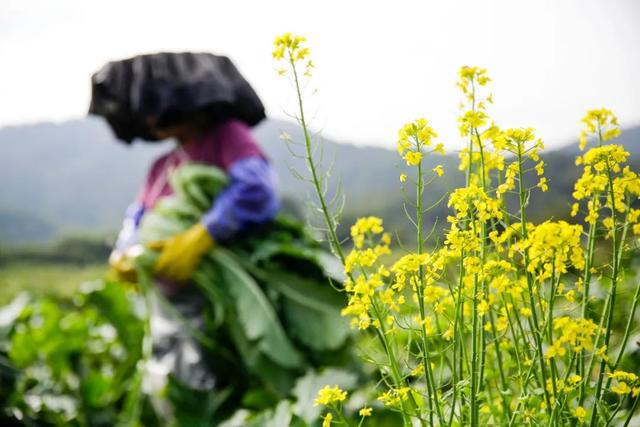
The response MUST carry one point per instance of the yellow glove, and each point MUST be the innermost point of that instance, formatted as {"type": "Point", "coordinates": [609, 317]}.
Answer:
{"type": "Point", "coordinates": [182, 253]}
{"type": "Point", "coordinates": [122, 268]}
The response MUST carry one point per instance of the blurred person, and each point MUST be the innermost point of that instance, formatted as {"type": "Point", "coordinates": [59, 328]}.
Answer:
{"type": "Point", "coordinates": [203, 103]}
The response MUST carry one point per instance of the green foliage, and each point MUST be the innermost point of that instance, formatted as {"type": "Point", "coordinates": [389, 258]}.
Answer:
{"type": "Point", "coordinates": [75, 360]}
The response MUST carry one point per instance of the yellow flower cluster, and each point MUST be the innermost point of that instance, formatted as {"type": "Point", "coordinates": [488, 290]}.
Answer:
{"type": "Point", "coordinates": [469, 77]}
{"type": "Point", "coordinates": [473, 202]}
{"type": "Point", "coordinates": [492, 160]}
{"type": "Point", "coordinates": [605, 176]}
{"type": "Point", "coordinates": [365, 412]}
{"type": "Point", "coordinates": [370, 243]}
{"type": "Point", "coordinates": [330, 395]}
{"type": "Point", "coordinates": [627, 382]}
{"type": "Point", "coordinates": [553, 247]}
{"type": "Point", "coordinates": [291, 48]}
{"type": "Point", "coordinates": [577, 333]}
{"type": "Point", "coordinates": [471, 120]}
{"type": "Point", "coordinates": [601, 122]}
{"type": "Point", "coordinates": [562, 386]}
{"type": "Point", "coordinates": [408, 267]}
{"type": "Point", "coordinates": [364, 227]}
{"type": "Point", "coordinates": [413, 138]}
{"type": "Point", "coordinates": [459, 240]}
{"type": "Point", "coordinates": [395, 396]}
{"type": "Point", "coordinates": [580, 413]}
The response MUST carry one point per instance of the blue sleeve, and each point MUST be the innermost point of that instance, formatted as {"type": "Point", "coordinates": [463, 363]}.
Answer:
{"type": "Point", "coordinates": [249, 199]}
{"type": "Point", "coordinates": [128, 235]}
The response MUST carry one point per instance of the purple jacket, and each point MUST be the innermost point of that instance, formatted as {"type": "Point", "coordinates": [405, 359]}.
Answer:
{"type": "Point", "coordinates": [249, 199]}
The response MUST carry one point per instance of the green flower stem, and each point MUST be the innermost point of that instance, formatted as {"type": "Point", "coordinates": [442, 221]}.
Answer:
{"type": "Point", "coordinates": [631, 412]}
{"type": "Point", "coordinates": [328, 217]}
{"type": "Point", "coordinates": [627, 329]}
{"type": "Point", "coordinates": [503, 379]}
{"type": "Point", "coordinates": [616, 258]}
{"type": "Point", "coordinates": [580, 367]}
{"type": "Point", "coordinates": [426, 360]}
{"type": "Point", "coordinates": [631, 318]}
{"type": "Point", "coordinates": [534, 311]}
{"type": "Point", "coordinates": [473, 398]}
{"type": "Point", "coordinates": [549, 321]}
{"type": "Point", "coordinates": [338, 411]}
{"type": "Point", "coordinates": [514, 334]}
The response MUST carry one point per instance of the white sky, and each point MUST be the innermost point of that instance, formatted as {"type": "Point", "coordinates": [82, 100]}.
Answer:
{"type": "Point", "coordinates": [379, 63]}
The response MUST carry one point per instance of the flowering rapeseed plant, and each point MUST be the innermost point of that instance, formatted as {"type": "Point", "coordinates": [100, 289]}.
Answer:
{"type": "Point", "coordinates": [498, 324]}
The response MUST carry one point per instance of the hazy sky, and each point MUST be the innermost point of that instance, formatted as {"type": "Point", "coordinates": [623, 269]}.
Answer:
{"type": "Point", "coordinates": [379, 63]}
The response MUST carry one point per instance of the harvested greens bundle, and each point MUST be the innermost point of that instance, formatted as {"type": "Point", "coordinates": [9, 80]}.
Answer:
{"type": "Point", "coordinates": [273, 313]}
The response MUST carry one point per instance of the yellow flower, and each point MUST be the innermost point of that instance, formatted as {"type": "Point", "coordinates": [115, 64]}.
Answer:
{"type": "Point", "coordinates": [365, 412]}
{"type": "Point", "coordinates": [326, 421]}
{"type": "Point", "coordinates": [403, 177]}
{"type": "Point", "coordinates": [601, 122]}
{"type": "Point", "coordinates": [542, 184]}
{"type": "Point", "coordinates": [438, 170]}
{"type": "Point", "coordinates": [290, 48]}
{"type": "Point", "coordinates": [555, 350]}
{"type": "Point", "coordinates": [624, 376]}
{"type": "Point", "coordinates": [394, 396]}
{"type": "Point", "coordinates": [602, 353]}
{"type": "Point", "coordinates": [574, 209]}
{"type": "Point", "coordinates": [472, 75]}
{"type": "Point", "coordinates": [570, 296]}
{"type": "Point", "coordinates": [554, 246]}
{"type": "Point", "coordinates": [621, 388]}
{"type": "Point", "coordinates": [413, 158]}
{"type": "Point", "coordinates": [329, 395]}
{"type": "Point", "coordinates": [580, 413]}
{"type": "Point", "coordinates": [483, 307]}
{"type": "Point", "coordinates": [526, 311]}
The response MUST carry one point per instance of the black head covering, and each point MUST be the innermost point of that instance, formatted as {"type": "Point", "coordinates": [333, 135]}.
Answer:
{"type": "Point", "coordinates": [171, 87]}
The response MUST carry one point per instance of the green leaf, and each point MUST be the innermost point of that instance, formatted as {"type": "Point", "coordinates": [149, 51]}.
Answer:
{"type": "Point", "coordinates": [95, 389]}
{"type": "Point", "coordinates": [281, 416]}
{"type": "Point", "coordinates": [255, 313]}
{"type": "Point", "coordinates": [308, 293]}
{"type": "Point", "coordinates": [198, 183]}
{"type": "Point", "coordinates": [318, 330]}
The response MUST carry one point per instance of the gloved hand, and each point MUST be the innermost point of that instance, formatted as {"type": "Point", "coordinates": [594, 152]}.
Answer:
{"type": "Point", "coordinates": [182, 253]}
{"type": "Point", "coordinates": [122, 268]}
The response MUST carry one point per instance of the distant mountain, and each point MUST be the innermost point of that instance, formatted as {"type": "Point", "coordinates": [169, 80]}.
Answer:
{"type": "Point", "coordinates": [72, 177]}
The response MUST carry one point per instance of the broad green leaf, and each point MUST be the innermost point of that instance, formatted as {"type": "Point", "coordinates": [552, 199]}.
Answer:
{"type": "Point", "coordinates": [255, 313]}
{"type": "Point", "coordinates": [318, 330]}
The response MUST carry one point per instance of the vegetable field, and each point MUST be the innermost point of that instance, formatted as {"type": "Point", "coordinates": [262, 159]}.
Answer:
{"type": "Point", "coordinates": [498, 321]}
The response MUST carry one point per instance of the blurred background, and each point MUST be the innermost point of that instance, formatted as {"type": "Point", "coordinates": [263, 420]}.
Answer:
{"type": "Point", "coordinates": [65, 182]}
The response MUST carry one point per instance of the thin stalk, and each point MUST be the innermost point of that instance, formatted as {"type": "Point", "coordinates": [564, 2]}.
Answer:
{"type": "Point", "coordinates": [631, 412]}
{"type": "Point", "coordinates": [433, 396]}
{"type": "Point", "coordinates": [580, 367]}
{"type": "Point", "coordinates": [612, 293]}
{"type": "Point", "coordinates": [627, 329]}
{"type": "Point", "coordinates": [331, 225]}
{"type": "Point", "coordinates": [534, 312]}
